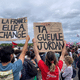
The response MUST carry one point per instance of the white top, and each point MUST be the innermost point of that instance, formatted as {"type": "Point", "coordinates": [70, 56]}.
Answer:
{"type": "Point", "coordinates": [70, 54]}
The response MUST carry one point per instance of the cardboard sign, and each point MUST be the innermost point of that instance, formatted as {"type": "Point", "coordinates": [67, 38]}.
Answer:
{"type": "Point", "coordinates": [49, 36]}
{"type": "Point", "coordinates": [13, 29]}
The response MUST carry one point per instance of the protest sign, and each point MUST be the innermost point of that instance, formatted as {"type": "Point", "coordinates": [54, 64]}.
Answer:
{"type": "Point", "coordinates": [13, 29]}
{"type": "Point", "coordinates": [49, 36]}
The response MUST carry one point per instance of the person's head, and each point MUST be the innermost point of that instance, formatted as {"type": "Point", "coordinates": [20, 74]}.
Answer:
{"type": "Point", "coordinates": [51, 60]}
{"type": "Point", "coordinates": [76, 48]}
{"type": "Point", "coordinates": [68, 50]}
{"type": "Point", "coordinates": [28, 53]}
{"type": "Point", "coordinates": [73, 50]}
{"type": "Point", "coordinates": [6, 54]}
{"type": "Point", "coordinates": [79, 46]}
{"type": "Point", "coordinates": [68, 60]}
{"type": "Point", "coordinates": [32, 56]}
{"type": "Point", "coordinates": [16, 52]}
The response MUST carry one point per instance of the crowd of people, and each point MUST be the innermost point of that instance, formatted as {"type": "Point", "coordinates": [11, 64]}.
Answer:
{"type": "Point", "coordinates": [29, 64]}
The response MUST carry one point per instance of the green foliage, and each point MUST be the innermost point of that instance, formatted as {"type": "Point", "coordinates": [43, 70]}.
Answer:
{"type": "Point", "coordinates": [21, 45]}
{"type": "Point", "coordinates": [10, 44]}
{"type": "Point", "coordinates": [30, 44]}
{"type": "Point", "coordinates": [6, 44]}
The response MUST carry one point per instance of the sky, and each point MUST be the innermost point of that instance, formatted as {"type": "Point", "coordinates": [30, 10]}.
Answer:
{"type": "Point", "coordinates": [65, 11]}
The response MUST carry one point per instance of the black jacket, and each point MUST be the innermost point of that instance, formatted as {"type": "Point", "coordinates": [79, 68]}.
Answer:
{"type": "Point", "coordinates": [78, 65]}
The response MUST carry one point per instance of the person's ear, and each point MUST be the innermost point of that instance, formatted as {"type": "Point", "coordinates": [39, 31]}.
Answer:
{"type": "Point", "coordinates": [11, 55]}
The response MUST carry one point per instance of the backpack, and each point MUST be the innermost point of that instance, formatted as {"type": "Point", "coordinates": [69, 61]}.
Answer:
{"type": "Point", "coordinates": [32, 70]}
{"type": "Point", "coordinates": [29, 70]}
{"type": "Point", "coordinates": [24, 71]}
{"type": "Point", "coordinates": [74, 73]}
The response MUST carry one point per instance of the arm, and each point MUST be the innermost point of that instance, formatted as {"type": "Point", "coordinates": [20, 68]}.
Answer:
{"type": "Point", "coordinates": [36, 50]}
{"type": "Point", "coordinates": [63, 51]}
{"type": "Point", "coordinates": [22, 56]}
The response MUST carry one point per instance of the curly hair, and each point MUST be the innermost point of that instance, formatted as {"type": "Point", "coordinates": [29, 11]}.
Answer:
{"type": "Point", "coordinates": [5, 53]}
{"type": "Point", "coordinates": [69, 59]}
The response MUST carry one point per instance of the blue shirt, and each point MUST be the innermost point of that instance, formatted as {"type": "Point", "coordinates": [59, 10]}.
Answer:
{"type": "Point", "coordinates": [15, 67]}
{"type": "Point", "coordinates": [57, 56]}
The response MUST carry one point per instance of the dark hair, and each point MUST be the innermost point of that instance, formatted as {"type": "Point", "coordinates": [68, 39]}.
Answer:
{"type": "Point", "coordinates": [32, 55]}
{"type": "Point", "coordinates": [17, 52]}
{"type": "Point", "coordinates": [79, 46]}
{"type": "Point", "coordinates": [50, 56]}
{"type": "Point", "coordinates": [28, 53]}
{"type": "Point", "coordinates": [18, 55]}
{"type": "Point", "coordinates": [5, 53]}
{"type": "Point", "coordinates": [13, 59]}
{"type": "Point", "coordinates": [68, 50]}
{"type": "Point", "coordinates": [76, 48]}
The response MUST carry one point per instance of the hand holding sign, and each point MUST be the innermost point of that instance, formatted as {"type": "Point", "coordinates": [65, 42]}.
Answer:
{"type": "Point", "coordinates": [34, 40]}
{"type": "Point", "coordinates": [64, 48]}
{"type": "Point", "coordinates": [27, 38]}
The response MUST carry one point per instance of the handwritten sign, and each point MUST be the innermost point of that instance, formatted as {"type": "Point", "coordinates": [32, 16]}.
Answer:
{"type": "Point", "coordinates": [13, 29]}
{"type": "Point", "coordinates": [49, 36]}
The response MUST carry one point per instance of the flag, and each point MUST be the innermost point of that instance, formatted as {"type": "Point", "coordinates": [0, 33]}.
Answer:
{"type": "Point", "coordinates": [75, 43]}
{"type": "Point", "coordinates": [78, 43]}
{"type": "Point", "coordinates": [72, 43]}
{"type": "Point", "coordinates": [68, 45]}
{"type": "Point", "coordinates": [14, 43]}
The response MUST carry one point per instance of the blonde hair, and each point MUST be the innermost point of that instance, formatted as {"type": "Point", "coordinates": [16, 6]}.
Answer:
{"type": "Point", "coordinates": [69, 59]}
{"type": "Point", "coordinates": [52, 67]}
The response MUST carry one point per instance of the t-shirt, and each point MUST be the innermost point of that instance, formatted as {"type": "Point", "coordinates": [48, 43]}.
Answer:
{"type": "Point", "coordinates": [46, 74]}
{"type": "Point", "coordinates": [11, 70]}
{"type": "Point", "coordinates": [68, 72]}
{"type": "Point", "coordinates": [70, 54]}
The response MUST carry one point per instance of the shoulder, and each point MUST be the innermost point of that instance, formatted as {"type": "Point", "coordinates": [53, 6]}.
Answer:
{"type": "Point", "coordinates": [7, 67]}
{"type": "Point", "coordinates": [18, 63]}
{"type": "Point", "coordinates": [42, 64]}
{"type": "Point", "coordinates": [17, 66]}
{"type": "Point", "coordinates": [60, 62]}
{"type": "Point", "coordinates": [69, 68]}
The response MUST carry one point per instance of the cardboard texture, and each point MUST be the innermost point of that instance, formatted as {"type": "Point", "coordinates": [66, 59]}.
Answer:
{"type": "Point", "coordinates": [13, 29]}
{"type": "Point", "coordinates": [49, 36]}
